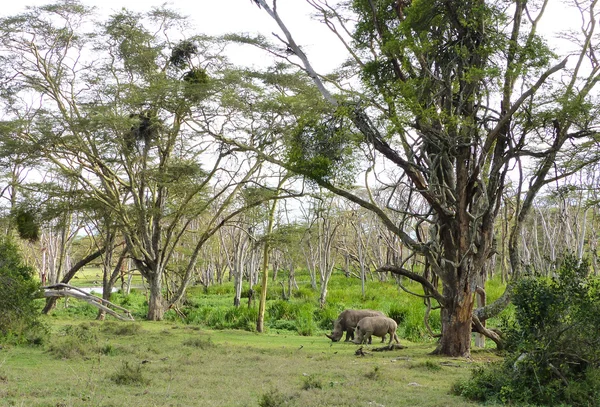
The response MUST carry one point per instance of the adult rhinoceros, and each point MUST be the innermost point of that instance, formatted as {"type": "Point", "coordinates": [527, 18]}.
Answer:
{"type": "Point", "coordinates": [347, 321]}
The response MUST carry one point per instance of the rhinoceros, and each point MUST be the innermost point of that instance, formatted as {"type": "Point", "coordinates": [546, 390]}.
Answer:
{"type": "Point", "coordinates": [347, 321]}
{"type": "Point", "coordinates": [378, 326]}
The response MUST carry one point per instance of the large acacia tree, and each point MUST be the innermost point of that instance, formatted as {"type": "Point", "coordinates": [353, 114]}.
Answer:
{"type": "Point", "coordinates": [451, 96]}
{"type": "Point", "coordinates": [104, 103]}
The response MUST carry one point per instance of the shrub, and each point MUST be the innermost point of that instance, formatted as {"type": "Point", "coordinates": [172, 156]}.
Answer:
{"type": "Point", "coordinates": [553, 344]}
{"type": "Point", "coordinates": [304, 293]}
{"type": "Point", "coordinates": [74, 341]}
{"type": "Point", "coordinates": [129, 375]}
{"type": "Point", "coordinates": [398, 313]}
{"type": "Point", "coordinates": [18, 313]}
{"type": "Point", "coordinates": [311, 382]}
{"type": "Point", "coordinates": [273, 398]}
{"type": "Point", "coordinates": [283, 325]}
{"type": "Point", "coordinates": [199, 343]}
{"type": "Point", "coordinates": [326, 316]}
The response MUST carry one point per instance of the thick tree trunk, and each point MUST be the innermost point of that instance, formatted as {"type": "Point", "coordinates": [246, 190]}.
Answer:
{"type": "Point", "coordinates": [156, 304]}
{"type": "Point", "coordinates": [456, 325]}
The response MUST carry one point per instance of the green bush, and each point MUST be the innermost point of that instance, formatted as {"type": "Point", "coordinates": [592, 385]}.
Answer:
{"type": "Point", "coordinates": [74, 341]}
{"type": "Point", "coordinates": [129, 375]}
{"type": "Point", "coordinates": [326, 316]}
{"type": "Point", "coordinates": [304, 293]}
{"type": "Point", "coordinates": [311, 381]}
{"type": "Point", "coordinates": [199, 343]}
{"type": "Point", "coordinates": [398, 313]}
{"type": "Point", "coordinates": [273, 398]}
{"type": "Point", "coordinates": [122, 328]}
{"type": "Point", "coordinates": [553, 344]}
{"type": "Point", "coordinates": [19, 321]}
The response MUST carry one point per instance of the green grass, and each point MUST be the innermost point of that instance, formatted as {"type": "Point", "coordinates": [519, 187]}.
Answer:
{"type": "Point", "coordinates": [170, 364]}
{"type": "Point", "coordinates": [209, 355]}
{"type": "Point", "coordinates": [213, 307]}
{"type": "Point", "coordinates": [92, 277]}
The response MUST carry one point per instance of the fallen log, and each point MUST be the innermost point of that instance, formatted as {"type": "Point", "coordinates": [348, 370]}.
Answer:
{"type": "Point", "coordinates": [65, 290]}
{"type": "Point", "coordinates": [393, 346]}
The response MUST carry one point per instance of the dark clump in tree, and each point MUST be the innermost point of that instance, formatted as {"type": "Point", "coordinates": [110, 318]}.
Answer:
{"type": "Point", "coordinates": [181, 54]}
{"type": "Point", "coordinates": [196, 81]}
{"type": "Point", "coordinates": [145, 129]}
{"type": "Point", "coordinates": [18, 312]}
{"type": "Point", "coordinates": [553, 345]}
{"type": "Point", "coordinates": [27, 224]}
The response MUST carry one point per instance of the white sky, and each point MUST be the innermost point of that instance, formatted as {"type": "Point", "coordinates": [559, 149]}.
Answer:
{"type": "Point", "coordinates": [215, 17]}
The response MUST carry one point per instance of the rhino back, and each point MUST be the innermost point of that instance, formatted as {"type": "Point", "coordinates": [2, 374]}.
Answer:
{"type": "Point", "coordinates": [351, 317]}
{"type": "Point", "coordinates": [379, 325]}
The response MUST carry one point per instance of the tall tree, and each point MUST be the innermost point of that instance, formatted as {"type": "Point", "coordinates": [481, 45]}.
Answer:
{"type": "Point", "coordinates": [110, 115]}
{"type": "Point", "coordinates": [452, 95]}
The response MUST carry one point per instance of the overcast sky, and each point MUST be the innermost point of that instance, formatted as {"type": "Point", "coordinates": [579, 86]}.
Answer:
{"type": "Point", "coordinates": [216, 17]}
{"type": "Point", "coordinates": [222, 16]}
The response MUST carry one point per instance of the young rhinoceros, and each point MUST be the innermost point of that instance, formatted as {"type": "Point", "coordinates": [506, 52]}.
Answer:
{"type": "Point", "coordinates": [378, 326]}
{"type": "Point", "coordinates": [347, 321]}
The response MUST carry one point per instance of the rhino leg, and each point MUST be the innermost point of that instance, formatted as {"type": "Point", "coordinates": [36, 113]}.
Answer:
{"type": "Point", "coordinates": [349, 335]}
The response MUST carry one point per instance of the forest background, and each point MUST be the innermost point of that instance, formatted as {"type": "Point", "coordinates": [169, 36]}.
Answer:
{"type": "Point", "coordinates": [453, 146]}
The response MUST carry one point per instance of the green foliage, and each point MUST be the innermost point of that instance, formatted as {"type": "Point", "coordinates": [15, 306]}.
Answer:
{"type": "Point", "coordinates": [27, 224]}
{"type": "Point", "coordinates": [427, 365]}
{"type": "Point", "coordinates": [298, 316]}
{"type": "Point", "coordinates": [122, 328]}
{"type": "Point", "coordinates": [326, 316]}
{"type": "Point", "coordinates": [129, 375]}
{"type": "Point", "coordinates": [311, 381]}
{"type": "Point", "coordinates": [411, 319]}
{"type": "Point", "coordinates": [196, 84]}
{"type": "Point", "coordinates": [305, 323]}
{"type": "Point", "coordinates": [554, 349]}
{"type": "Point", "coordinates": [273, 398]}
{"type": "Point", "coordinates": [182, 52]}
{"type": "Point", "coordinates": [199, 343]}
{"type": "Point", "coordinates": [135, 46]}
{"type": "Point", "coordinates": [304, 293]}
{"type": "Point", "coordinates": [74, 341]}
{"type": "Point", "coordinates": [322, 148]}
{"type": "Point", "coordinates": [19, 321]}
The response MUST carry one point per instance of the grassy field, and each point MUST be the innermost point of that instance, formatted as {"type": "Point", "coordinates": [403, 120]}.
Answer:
{"type": "Point", "coordinates": [168, 364]}
{"type": "Point", "coordinates": [208, 354]}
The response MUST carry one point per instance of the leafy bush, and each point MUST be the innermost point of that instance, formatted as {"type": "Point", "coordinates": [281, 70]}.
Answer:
{"type": "Point", "coordinates": [273, 398]}
{"type": "Point", "coordinates": [398, 313]}
{"type": "Point", "coordinates": [304, 293]}
{"type": "Point", "coordinates": [18, 312]}
{"type": "Point", "coordinates": [553, 345]}
{"type": "Point", "coordinates": [311, 381]}
{"type": "Point", "coordinates": [129, 375]}
{"type": "Point", "coordinates": [326, 316]}
{"type": "Point", "coordinates": [74, 341]}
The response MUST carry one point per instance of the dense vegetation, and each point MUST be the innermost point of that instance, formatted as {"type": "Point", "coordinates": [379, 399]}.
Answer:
{"type": "Point", "coordinates": [453, 152]}
{"type": "Point", "coordinates": [553, 347]}
{"type": "Point", "coordinates": [19, 315]}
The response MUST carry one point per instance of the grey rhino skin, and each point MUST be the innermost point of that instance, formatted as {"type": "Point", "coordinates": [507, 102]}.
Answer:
{"type": "Point", "coordinates": [378, 326]}
{"type": "Point", "coordinates": [347, 321]}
